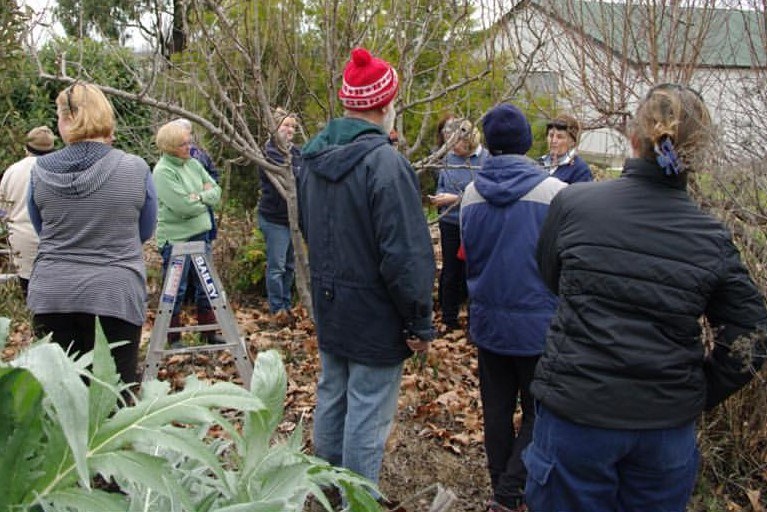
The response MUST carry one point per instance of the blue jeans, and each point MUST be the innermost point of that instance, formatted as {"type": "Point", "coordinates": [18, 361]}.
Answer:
{"type": "Point", "coordinates": [577, 468]}
{"type": "Point", "coordinates": [355, 410]}
{"type": "Point", "coordinates": [188, 273]}
{"type": "Point", "coordinates": [280, 264]}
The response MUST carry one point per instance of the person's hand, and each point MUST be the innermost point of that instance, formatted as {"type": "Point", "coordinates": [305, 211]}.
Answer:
{"type": "Point", "coordinates": [417, 345]}
{"type": "Point", "coordinates": [207, 186]}
{"type": "Point", "coordinates": [444, 199]}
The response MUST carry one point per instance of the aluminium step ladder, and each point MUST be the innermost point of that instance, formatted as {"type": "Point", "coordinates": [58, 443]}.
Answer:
{"type": "Point", "coordinates": [211, 283]}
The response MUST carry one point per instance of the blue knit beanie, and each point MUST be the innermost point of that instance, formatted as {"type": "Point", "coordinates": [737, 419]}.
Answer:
{"type": "Point", "coordinates": [507, 130]}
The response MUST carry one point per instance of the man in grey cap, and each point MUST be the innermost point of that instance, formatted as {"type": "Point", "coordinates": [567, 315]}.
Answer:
{"type": "Point", "coordinates": [14, 188]}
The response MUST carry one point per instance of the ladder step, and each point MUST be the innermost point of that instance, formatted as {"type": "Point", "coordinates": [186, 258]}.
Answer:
{"type": "Point", "coordinates": [195, 328]}
{"type": "Point", "coordinates": [197, 348]}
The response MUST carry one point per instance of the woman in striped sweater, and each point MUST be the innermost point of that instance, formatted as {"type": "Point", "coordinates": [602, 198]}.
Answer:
{"type": "Point", "coordinates": [92, 206]}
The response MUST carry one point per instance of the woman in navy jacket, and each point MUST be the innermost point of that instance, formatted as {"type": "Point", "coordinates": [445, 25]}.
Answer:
{"type": "Point", "coordinates": [562, 161]}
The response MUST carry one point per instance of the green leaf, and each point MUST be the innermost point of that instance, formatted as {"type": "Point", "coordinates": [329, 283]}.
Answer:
{"type": "Point", "coordinates": [358, 498]}
{"type": "Point", "coordinates": [272, 506]}
{"type": "Point", "coordinates": [21, 433]}
{"type": "Point", "coordinates": [269, 383]}
{"type": "Point", "coordinates": [356, 488]}
{"type": "Point", "coordinates": [103, 386]}
{"type": "Point", "coordinates": [67, 394]}
{"type": "Point", "coordinates": [180, 440]}
{"type": "Point", "coordinates": [283, 481]}
{"type": "Point", "coordinates": [84, 500]}
{"type": "Point", "coordinates": [189, 406]}
{"type": "Point", "coordinates": [150, 471]}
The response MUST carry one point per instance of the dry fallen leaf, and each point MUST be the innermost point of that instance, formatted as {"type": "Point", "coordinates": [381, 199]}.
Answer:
{"type": "Point", "coordinates": [754, 496]}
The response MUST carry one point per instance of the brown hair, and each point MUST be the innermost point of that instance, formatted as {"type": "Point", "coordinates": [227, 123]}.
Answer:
{"type": "Point", "coordinates": [678, 113]}
{"type": "Point", "coordinates": [90, 113]}
{"type": "Point", "coordinates": [567, 123]}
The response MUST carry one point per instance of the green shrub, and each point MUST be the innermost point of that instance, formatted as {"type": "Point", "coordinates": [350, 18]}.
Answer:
{"type": "Point", "coordinates": [248, 270]}
{"type": "Point", "coordinates": [57, 433]}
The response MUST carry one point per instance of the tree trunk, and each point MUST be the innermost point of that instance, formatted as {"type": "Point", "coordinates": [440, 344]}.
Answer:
{"type": "Point", "coordinates": [303, 283]}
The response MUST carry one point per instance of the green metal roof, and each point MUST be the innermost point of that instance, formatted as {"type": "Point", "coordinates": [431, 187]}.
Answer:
{"type": "Point", "coordinates": [674, 33]}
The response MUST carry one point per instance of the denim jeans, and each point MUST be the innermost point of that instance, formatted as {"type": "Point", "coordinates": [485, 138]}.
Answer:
{"type": "Point", "coordinates": [577, 468]}
{"type": "Point", "coordinates": [188, 273]}
{"type": "Point", "coordinates": [280, 264]}
{"type": "Point", "coordinates": [355, 410]}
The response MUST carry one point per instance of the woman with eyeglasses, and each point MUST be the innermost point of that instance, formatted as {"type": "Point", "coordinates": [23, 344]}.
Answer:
{"type": "Point", "coordinates": [562, 161]}
{"type": "Point", "coordinates": [185, 191]}
{"type": "Point", "coordinates": [625, 371]}
{"type": "Point", "coordinates": [461, 165]}
{"type": "Point", "coordinates": [92, 206]}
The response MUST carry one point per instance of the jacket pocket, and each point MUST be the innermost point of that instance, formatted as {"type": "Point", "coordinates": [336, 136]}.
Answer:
{"type": "Point", "coordinates": [539, 493]}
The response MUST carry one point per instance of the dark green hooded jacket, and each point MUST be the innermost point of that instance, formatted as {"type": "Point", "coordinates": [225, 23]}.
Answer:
{"type": "Point", "coordinates": [370, 253]}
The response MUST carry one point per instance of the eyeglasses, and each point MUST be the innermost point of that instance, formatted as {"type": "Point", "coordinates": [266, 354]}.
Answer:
{"type": "Point", "coordinates": [454, 125]}
{"type": "Point", "coordinates": [557, 125]}
{"type": "Point", "coordinates": [187, 143]}
{"type": "Point", "coordinates": [668, 86]}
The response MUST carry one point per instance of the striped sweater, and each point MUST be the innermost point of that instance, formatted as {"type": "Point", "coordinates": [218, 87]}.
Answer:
{"type": "Point", "coordinates": [90, 200]}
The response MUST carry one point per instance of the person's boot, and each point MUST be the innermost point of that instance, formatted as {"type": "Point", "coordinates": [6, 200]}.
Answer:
{"type": "Point", "coordinates": [174, 338]}
{"type": "Point", "coordinates": [206, 317]}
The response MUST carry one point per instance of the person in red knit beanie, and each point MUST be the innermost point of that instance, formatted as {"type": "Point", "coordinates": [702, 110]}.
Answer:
{"type": "Point", "coordinates": [371, 263]}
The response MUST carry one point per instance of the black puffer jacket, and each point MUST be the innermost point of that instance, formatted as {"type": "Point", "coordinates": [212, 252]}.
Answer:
{"type": "Point", "coordinates": [370, 253]}
{"type": "Point", "coordinates": [636, 264]}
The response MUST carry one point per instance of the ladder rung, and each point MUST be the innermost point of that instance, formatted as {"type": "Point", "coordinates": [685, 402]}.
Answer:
{"type": "Point", "coordinates": [191, 349]}
{"type": "Point", "coordinates": [195, 328]}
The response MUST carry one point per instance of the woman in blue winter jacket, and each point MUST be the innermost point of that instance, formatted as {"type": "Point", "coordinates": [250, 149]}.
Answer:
{"type": "Point", "coordinates": [461, 165]}
{"type": "Point", "coordinates": [510, 307]}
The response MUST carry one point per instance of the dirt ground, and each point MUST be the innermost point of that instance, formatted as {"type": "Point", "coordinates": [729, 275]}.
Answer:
{"type": "Point", "coordinates": [437, 437]}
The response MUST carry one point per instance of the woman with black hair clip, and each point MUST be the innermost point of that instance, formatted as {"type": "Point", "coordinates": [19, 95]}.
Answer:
{"type": "Point", "coordinates": [625, 372]}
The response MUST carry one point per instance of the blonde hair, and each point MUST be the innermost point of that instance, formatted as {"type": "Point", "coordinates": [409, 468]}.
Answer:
{"type": "Point", "coordinates": [90, 113]}
{"type": "Point", "coordinates": [675, 112]}
{"type": "Point", "coordinates": [170, 136]}
{"type": "Point", "coordinates": [468, 131]}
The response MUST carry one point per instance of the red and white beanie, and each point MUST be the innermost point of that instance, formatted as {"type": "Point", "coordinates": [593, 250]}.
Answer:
{"type": "Point", "coordinates": [369, 82]}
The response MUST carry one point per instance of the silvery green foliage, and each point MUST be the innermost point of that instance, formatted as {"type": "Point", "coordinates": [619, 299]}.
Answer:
{"type": "Point", "coordinates": [57, 433]}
